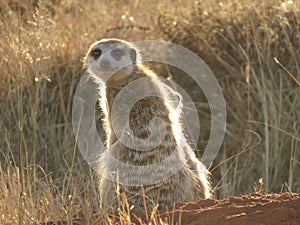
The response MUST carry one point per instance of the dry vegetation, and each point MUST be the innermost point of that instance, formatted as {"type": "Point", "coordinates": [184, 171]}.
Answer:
{"type": "Point", "coordinates": [251, 46]}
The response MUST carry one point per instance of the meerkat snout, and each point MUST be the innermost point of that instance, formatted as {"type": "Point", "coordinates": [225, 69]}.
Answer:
{"type": "Point", "coordinates": [105, 63]}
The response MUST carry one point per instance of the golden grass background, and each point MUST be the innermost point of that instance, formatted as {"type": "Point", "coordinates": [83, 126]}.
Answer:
{"type": "Point", "coordinates": [252, 47]}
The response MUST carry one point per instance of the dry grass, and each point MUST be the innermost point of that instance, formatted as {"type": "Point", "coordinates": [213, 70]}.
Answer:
{"type": "Point", "coordinates": [252, 48]}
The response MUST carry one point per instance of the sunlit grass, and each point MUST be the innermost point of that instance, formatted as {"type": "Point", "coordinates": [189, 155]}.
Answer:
{"type": "Point", "coordinates": [42, 174]}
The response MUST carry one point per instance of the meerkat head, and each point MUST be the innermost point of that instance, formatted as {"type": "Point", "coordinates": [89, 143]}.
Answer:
{"type": "Point", "coordinates": [110, 58]}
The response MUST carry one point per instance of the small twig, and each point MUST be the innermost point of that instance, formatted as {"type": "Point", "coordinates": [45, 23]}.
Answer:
{"type": "Point", "coordinates": [276, 128]}
{"type": "Point", "coordinates": [286, 70]}
{"type": "Point", "coordinates": [241, 152]}
{"type": "Point", "coordinates": [145, 203]}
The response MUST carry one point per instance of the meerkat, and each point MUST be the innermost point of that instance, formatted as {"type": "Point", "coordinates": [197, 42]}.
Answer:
{"type": "Point", "coordinates": [115, 64]}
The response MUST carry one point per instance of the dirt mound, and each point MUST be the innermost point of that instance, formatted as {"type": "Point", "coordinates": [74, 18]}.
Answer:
{"type": "Point", "coordinates": [253, 209]}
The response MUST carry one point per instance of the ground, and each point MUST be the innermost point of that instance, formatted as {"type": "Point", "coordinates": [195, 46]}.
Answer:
{"type": "Point", "coordinates": [253, 209]}
{"type": "Point", "coordinates": [257, 208]}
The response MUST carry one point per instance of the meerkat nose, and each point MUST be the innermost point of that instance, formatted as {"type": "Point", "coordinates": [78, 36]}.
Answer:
{"type": "Point", "coordinates": [104, 63]}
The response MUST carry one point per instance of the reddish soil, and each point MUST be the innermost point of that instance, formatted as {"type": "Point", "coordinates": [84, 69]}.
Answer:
{"type": "Point", "coordinates": [253, 209]}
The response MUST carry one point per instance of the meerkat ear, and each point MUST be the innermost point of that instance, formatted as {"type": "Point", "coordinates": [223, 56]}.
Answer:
{"type": "Point", "coordinates": [132, 54]}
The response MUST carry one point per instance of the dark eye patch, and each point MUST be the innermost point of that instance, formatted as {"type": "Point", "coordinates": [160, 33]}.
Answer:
{"type": "Point", "coordinates": [96, 53]}
{"type": "Point", "coordinates": [117, 53]}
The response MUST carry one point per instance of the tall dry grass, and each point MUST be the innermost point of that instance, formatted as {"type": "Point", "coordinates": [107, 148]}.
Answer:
{"type": "Point", "coordinates": [252, 48]}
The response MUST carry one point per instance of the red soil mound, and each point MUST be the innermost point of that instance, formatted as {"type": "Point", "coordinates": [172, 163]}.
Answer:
{"type": "Point", "coordinates": [253, 209]}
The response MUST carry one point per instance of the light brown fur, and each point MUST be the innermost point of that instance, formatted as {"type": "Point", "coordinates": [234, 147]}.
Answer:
{"type": "Point", "coordinates": [187, 185]}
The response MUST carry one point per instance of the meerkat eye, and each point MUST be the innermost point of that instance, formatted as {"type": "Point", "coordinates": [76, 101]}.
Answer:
{"type": "Point", "coordinates": [117, 53]}
{"type": "Point", "coordinates": [96, 53]}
